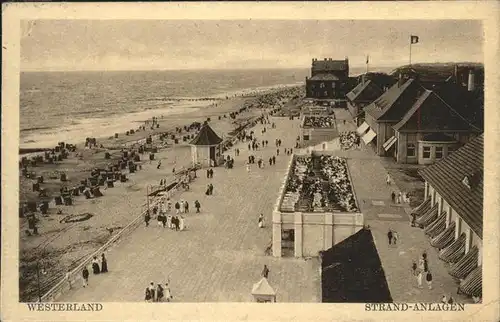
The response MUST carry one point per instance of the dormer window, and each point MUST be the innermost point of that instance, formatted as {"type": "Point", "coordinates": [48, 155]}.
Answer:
{"type": "Point", "coordinates": [472, 181]}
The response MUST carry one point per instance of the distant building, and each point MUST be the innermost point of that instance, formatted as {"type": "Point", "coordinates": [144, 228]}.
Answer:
{"type": "Point", "coordinates": [416, 125]}
{"type": "Point", "coordinates": [452, 213]}
{"type": "Point", "coordinates": [328, 79]}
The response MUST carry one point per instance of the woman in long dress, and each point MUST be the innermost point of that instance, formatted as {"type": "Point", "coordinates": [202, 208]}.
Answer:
{"type": "Point", "coordinates": [181, 223]}
{"type": "Point", "coordinates": [168, 294]}
{"type": "Point", "coordinates": [169, 221]}
{"type": "Point", "coordinates": [104, 264]}
{"type": "Point", "coordinates": [261, 221]}
{"type": "Point", "coordinates": [95, 266]}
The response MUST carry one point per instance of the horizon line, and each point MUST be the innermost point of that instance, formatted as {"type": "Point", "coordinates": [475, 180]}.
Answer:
{"type": "Point", "coordinates": [236, 68]}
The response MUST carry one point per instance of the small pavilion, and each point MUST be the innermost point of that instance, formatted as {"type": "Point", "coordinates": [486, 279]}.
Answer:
{"type": "Point", "coordinates": [206, 146]}
{"type": "Point", "coordinates": [263, 292]}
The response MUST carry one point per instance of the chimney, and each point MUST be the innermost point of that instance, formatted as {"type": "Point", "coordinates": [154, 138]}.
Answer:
{"type": "Point", "coordinates": [325, 59]}
{"type": "Point", "coordinates": [471, 84]}
{"type": "Point", "coordinates": [456, 75]}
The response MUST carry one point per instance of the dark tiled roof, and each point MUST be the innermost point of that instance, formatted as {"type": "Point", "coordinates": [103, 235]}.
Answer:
{"type": "Point", "coordinates": [446, 178]}
{"type": "Point", "coordinates": [367, 91]}
{"type": "Point", "coordinates": [339, 65]}
{"type": "Point", "coordinates": [431, 113]}
{"type": "Point", "coordinates": [394, 103]}
{"type": "Point", "coordinates": [352, 272]}
{"type": "Point", "coordinates": [324, 77]}
{"type": "Point", "coordinates": [206, 136]}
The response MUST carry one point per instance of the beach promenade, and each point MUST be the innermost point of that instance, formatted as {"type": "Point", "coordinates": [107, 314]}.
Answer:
{"type": "Point", "coordinates": [221, 254]}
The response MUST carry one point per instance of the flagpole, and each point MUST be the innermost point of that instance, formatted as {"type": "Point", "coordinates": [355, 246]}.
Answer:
{"type": "Point", "coordinates": [367, 60]}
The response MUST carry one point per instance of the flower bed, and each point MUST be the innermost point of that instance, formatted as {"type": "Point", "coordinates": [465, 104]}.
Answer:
{"type": "Point", "coordinates": [319, 183]}
{"type": "Point", "coordinates": [319, 121]}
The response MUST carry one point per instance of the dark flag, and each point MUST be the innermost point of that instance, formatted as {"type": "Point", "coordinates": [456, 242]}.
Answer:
{"type": "Point", "coordinates": [413, 39]}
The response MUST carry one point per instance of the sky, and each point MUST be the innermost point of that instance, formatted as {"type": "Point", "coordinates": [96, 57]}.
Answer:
{"type": "Point", "coordinates": [69, 45]}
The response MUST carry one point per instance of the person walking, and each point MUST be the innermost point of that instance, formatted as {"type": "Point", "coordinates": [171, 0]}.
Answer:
{"type": "Point", "coordinates": [177, 207]}
{"type": "Point", "coordinates": [104, 264]}
{"type": "Point", "coordinates": [388, 179]}
{"type": "Point", "coordinates": [428, 278]}
{"type": "Point", "coordinates": [395, 237]}
{"type": "Point", "coordinates": [152, 292]}
{"type": "Point", "coordinates": [159, 293]}
{"type": "Point", "coordinates": [208, 173]}
{"type": "Point", "coordinates": [419, 279]}
{"type": "Point", "coordinates": [414, 269]}
{"type": "Point", "coordinates": [265, 272]}
{"type": "Point", "coordinates": [393, 197]}
{"type": "Point", "coordinates": [197, 206]}
{"type": "Point", "coordinates": [147, 218]}
{"type": "Point", "coordinates": [211, 189]}
{"type": "Point", "coordinates": [186, 207]}
{"type": "Point", "coordinates": [270, 161]}
{"type": "Point", "coordinates": [274, 160]}
{"type": "Point", "coordinates": [168, 293]}
{"type": "Point", "coordinates": [95, 266]}
{"type": "Point", "coordinates": [159, 164]}
{"type": "Point", "coordinates": [85, 275]}
{"type": "Point", "coordinates": [261, 221]}
{"type": "Point", "coordinates": [389, 236]}
{"type": "Point", "coordinates": [278, 151]}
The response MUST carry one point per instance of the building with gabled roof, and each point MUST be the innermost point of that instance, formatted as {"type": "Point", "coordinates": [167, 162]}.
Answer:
{"type": "Point", "coordinates": [206, 148]}
{"type": "Point", "coordinates": [328, 79]}
{"type": "Point", "coordinates": [452, 212]}
{"type": "Point", "coordinates": [416, 125]}
{"type": "Point", "coordinates": [360, 96]}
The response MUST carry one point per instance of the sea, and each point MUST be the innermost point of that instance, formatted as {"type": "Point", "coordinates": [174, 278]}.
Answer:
{"type": "Point", "coordinates": [70, 106]}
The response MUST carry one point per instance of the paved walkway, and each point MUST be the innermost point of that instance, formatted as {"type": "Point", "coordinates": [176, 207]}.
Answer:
{"type": "Point", "coordinates": [221, 254]}
{"type": "Point", "coordinates": [369, 180]}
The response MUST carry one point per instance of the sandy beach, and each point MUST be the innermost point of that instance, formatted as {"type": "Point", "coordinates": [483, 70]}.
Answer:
{"type": "Point", "coordinates": [61, 246]}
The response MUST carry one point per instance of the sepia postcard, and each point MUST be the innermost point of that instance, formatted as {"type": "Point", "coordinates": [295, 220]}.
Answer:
{"type": "Point", "coordinates": [250, 161]}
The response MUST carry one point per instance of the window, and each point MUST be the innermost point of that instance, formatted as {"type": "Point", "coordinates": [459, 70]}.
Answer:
{"type": "Point", "coordinates": [325, 93]}
{"type": "Point", "coordinates": [427, 152]}
{"type": "Point", "coordinates": [313, 86]}
{"type": "Point", "coordinates": [306, 137]}
{"type": "Point", "coordinates": [439, 152]}
{"type": "Point", "coordinates": [410, 150]}
{"type": "Point", "coordinates": [322, 85]}
{"type": "Point", "coordinates": [333, 84]}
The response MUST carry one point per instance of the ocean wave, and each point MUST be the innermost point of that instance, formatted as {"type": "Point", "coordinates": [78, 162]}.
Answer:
{"type": "Point", "coordinates": [36, 128]}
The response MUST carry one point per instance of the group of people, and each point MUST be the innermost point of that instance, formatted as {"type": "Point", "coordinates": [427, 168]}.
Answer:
{"type": "Point", "coordinates": [421, 271]}
{"type": "Point", "coordinates": [393, 237]}
{"type": "Point", "coordinates": [349, 140]}
{"type": "Point", "coordinates": [158, 294]}
{"type": "Point", "coordinates": [210, 173]}
{"type": "Point", "coordinates": [400, 197]}
{"type": "Point", "coordinates": [96, 269]}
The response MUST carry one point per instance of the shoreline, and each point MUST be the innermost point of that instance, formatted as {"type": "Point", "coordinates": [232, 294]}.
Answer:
{"type": "Point", "coordinates": [70, 245]}
{"type": "Point", "coordinates": [133, 119]}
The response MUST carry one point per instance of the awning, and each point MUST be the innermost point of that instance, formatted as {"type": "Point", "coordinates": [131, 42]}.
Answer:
{"type": "Point", "coordinates": [362, 128]}
{"type": "Point", "coordinates": [445, 238]}
{"type": "Point", "coordinates": [452, 253]}
{"type": "Point", "coordinates": [473, 284]}
{"type": "Point", "coordinates": [437, 226]}
{"type": "Point", "coordinates": [389, 143]}
{"type": "Point", "coordinates": [422, 208]}
{"type": "Point", "coordinates": [428, 217]}
{"type": "Point", "coordinates": [369, 136]}
{"type": "Point", "coordinates": [466, 264]}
